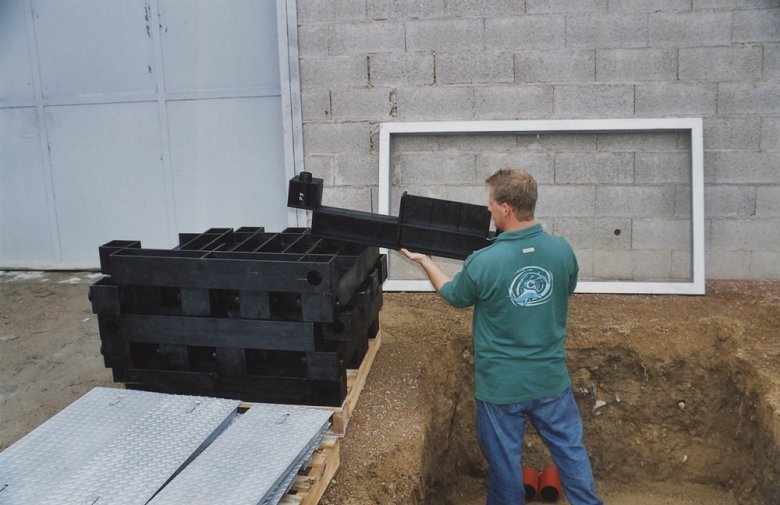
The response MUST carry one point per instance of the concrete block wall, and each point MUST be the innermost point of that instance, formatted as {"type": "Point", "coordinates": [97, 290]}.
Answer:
{"type": "Point", "coordinates": [364, 62]}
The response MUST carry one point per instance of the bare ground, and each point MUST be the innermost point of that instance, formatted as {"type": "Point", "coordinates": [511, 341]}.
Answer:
{"type": "Point", "coordinates": [691, 385]}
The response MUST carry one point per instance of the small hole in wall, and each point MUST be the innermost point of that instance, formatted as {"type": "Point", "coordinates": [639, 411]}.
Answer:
{"type": "Point", "coordinates": [617, 231]}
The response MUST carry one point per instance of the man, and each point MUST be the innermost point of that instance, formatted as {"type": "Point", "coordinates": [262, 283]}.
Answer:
{"type": "Point", "coordinates": [519, 287]}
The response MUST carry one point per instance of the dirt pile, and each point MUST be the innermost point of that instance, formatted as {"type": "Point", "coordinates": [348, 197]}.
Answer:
{"type": "Point", "coordinates": [680, 396]}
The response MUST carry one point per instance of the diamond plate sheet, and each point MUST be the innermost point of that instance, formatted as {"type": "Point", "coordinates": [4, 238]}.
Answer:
{"type": "Point", "coordinates": [110, 446]}
{"type": "Point", "coordinates": [249, 460]}
{"type": "Point", "coordinates": [276, 494]}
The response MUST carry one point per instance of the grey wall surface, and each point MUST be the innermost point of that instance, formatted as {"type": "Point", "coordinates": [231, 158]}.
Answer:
{"type": "Point", "coordinates": [364, 62]}
{"type": "Point", "coordinates": [136, 119]}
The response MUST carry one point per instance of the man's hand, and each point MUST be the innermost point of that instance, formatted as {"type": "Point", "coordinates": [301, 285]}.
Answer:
{"type": "Point", "coordinates": [416, 257]}
{"type": "Point", "coordinates": [437, 277]}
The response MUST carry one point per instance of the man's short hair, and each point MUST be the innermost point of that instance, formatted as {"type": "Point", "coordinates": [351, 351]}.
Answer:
{"type": "Point", "coordinates": [516, 188]}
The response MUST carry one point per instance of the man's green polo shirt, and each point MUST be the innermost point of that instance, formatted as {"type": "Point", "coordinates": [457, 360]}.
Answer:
{"type": "Point", "coordinates": [519, 287]}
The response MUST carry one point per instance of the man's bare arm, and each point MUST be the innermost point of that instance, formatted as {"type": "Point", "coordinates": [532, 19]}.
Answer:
{"type": "Point", "coordinates": [435, 274]}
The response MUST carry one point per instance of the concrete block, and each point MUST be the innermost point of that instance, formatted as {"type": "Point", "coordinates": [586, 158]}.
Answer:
{"type": "Point", "coordinates": [622, 6]}
{"type": "Point", "coordinates": [727, 264]}
{"type": "Point", "coordinates": [635, 201]}
{"type": "Point", "coordinates": [595, 233]}
{"type": "Point", "coordinates": [632, 265]}
{"type": "Point", "coordinates": [679, 29]}
{"type": "Point", "coordinates": [444, 35]}
{"type": "Point", "coordinates": [356, 169]}
{"type": "Point", "coordinates": [576, 142]}
{"type": "Point", "coordinates": [598, 100]}
{"type": "Point", "coordinates": [478, 142]}
{"type": "Point", "coordinates": [434, 103]}
{"type": "Point", "coordinates": [405, 143]}
{"type": "Point", "coordinates": [770, 133]}
{"type": "Point", "coordinates": [484, 8]}
{"type": "Point", "coordinates": [732, 133]}
{"type": "Point", "coordinates": [474, 194]}
{"type": "Point", "coordinates": [313, 39]}
{"type": "Point", "coordinates": [362, 198]}
{"type": "Point", "coordinates": [710, 164]}
{"type": "Point", "coordinates": [594, 168]}
{"type": "Point", "coordinates": [513, 102]}
{"type": "Point", "coordinates": [375, 104]}
{"type": "Point", "coordinates": [315, 104]}
{"type": "Point", "coordinates": [333, 71]}
{"type": "Point", "coordinates": [682, 266]}
{"type": "Point", "coordinates": [445, 190]}
{"type": "Point", "coordinates": [408, 69]}
{"type": "Point", "coordinates": [661, 234]}
{"type": "Point", "coordinates": [336, 10]}
{"type": "Point", "coordinates": [771, 61]}
{"type": "Point", "coordinates": [435, 168]}
{"type": "Point", "coordinates": [564, 6]}
{"type": "Point", "coordinates": [741, 167]}
{"type": "Point", "coordinates": [404, 9]}
{"type": "Point", "coordinates": [748, 98]}
{"type": "Point", "coordinates": [746, 234]}
{"type": "Point", "coordinates": [637, 141]}
{"type": "Point", "coordinates": [636, 64]}
{"type": "Point", "coordinates": [468, 67]}
{"type": "Point", "coordinates": [768, 201]}
{"type": "Point", "coordinates": [585, 262]}
{"type": "Point", "coordinates": [721, 201]}
{"type": "Point", "coordinates": [759, 25]}
{"type": "Point", "coordinates": [366, 37]}
{"type": "Point", "coordinates": [320, 166]}
{"type": "Point", "coordinates": [539, 165]}
{"type": "Point", "coordinates": [682, 202]}
{"type": "Point", "coordinates": [335, 138]}
{"type": "Point", "coordinates": [765, 265]}
{"type": "Point", "coordinates": [576, 65]}
{"type": "Point", "coordinates": [731, 4]}
{"type": "Point", "coordinates": [663, 168]}
{"type": "Point", "coordinates": [526, 32]}
{"type": "Point", "coordinates": [741, 63]}
{"type": "Point", "coordinates": [612, 30]}
{"type": "Point", "coordinates": [666, 99]}
{"type": "Point", "coordinates": [563, 201]}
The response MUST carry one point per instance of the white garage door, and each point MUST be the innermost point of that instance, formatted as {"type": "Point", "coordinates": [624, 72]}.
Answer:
{"type": "Point", "coordinates": [136, 119]}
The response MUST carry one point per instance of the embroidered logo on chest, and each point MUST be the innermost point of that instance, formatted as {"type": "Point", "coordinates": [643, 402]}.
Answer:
{"type": "Point", "coordinates": [531, 286]}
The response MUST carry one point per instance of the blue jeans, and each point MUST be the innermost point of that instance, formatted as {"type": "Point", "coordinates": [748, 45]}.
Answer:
{"type": "Point", "coordinates": [500, 430]}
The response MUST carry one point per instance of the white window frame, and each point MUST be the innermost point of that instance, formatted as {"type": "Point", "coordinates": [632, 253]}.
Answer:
{"type": "Point", "coordinates": [692, 126]}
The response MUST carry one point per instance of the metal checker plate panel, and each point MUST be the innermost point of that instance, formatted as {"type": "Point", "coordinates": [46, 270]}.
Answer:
{"type": "Point", "coordinates": [130, 463]}
{"type": "Point", "coordinates": [48, 456]}
{"type": "Point", "coordinates": [249, 460]}
{"type": "Point", "coordinates": [276, 494]}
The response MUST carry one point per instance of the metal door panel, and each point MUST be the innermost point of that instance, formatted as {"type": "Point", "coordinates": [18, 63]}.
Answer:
{"type": "Point", "coordinates": [17, 80]}
{"type": "Point", "coordinates": [108, 174]}
{"type": "Point", "coordinates": [226, 158]}
{"type": "Point", "coordinates": [90, 47]}
{"type": "Point", "coordinates": [25, 233]}
{"type": "Point", "coordinates": [213, 44]}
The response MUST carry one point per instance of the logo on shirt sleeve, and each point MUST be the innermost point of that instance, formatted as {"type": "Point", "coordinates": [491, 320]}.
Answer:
{"type": "Point", "coordinates": [531, 286]}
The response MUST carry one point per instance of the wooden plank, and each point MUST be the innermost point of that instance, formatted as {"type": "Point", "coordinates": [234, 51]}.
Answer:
{"type": "Point", "coordinates": [311, 484]}
{"type": "Point", "coordinates": [356, 381]}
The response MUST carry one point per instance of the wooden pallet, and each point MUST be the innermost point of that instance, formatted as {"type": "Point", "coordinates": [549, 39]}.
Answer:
{"type": "Point", "coordinates": [356, 381]}
{"type": "Point", "coordinates": [311, 484]}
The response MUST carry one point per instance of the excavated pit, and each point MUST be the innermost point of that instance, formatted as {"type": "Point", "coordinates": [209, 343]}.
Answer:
{"type": "Point", "coordinates": [673, 410]}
